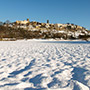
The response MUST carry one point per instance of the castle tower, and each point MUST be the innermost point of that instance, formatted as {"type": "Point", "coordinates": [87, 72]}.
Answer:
{"type": "Point", "coordinates": [28, 19]}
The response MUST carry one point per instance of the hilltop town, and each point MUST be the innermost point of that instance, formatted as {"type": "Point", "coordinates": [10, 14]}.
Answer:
{"type": "Point", "coordinates": [31, 29]}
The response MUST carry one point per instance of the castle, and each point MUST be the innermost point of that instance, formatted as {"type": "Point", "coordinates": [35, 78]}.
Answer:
{"type": "Point", "coordinates": [33, 25]}
{"type": "Point", "coordinates": [23, 22]}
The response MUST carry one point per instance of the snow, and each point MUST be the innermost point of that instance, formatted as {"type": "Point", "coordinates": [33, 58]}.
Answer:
{"type": "Point", "coordinates": [61, 31]}
{"type": "Point", "coordinates": [44, 65]}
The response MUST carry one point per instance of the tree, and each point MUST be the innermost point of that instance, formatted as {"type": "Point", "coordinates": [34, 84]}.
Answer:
{"type": "Point", "coordinates": [69, 27]}
{"type": "Point", "coordinates": [1, 23]}
{"type": "Point", "coordinates": [7, 22]}
{"type": "Point", "coordinates": [68, 23]}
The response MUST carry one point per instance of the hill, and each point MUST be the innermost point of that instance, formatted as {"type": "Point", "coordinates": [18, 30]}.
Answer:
{"type": "Point", "coordinates": [29, 30]}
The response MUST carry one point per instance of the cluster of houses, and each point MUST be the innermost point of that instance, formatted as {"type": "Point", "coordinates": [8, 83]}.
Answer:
{"type": "Point", "coordinates": [27, 25]}
{"type": "Point", "coordinates": [48, 30]}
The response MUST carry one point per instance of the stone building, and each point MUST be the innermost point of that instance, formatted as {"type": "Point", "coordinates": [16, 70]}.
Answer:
{"type": "Point", "coordinates": [23, 22]}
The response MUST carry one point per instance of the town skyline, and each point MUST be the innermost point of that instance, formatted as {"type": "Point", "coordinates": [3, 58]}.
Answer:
{"type": "Point", "coordinates": [56, 11]}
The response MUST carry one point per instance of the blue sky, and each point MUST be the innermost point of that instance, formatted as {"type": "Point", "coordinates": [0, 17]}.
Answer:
{"type": "Point", "coordinates": [57, 11]}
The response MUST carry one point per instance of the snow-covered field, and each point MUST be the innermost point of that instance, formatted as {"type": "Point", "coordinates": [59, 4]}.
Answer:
{"type": "Point", "coordinates": [47, 65]}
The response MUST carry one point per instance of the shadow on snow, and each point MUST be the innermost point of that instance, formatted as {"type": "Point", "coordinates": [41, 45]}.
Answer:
{"type": "Point", "coordinates": [67, 42]}
{"type": "Point", "coordinates": [14, 73]}
{"type": "Point", "coordinates": [79, 76]}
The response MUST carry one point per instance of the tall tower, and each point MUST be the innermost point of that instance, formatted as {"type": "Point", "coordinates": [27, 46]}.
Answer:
{"type": "Point", "coordinates": [28, 19]}
{"type": "Point", "coordinates": [47, 21]}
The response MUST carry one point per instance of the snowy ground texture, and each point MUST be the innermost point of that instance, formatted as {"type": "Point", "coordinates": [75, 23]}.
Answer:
{"type": "Point", "coordinates": [36, 65]}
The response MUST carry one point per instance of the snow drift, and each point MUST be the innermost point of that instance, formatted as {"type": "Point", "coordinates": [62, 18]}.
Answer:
{"type": "Point", "coordinates": [32, 65]}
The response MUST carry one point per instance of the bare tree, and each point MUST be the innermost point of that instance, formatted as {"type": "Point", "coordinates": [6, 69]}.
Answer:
{"type": "Point", "coordinates": [7, 22]}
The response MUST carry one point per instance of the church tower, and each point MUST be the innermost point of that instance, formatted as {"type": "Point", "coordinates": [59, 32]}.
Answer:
{"type": "Point", "coordinates": [47, 21]}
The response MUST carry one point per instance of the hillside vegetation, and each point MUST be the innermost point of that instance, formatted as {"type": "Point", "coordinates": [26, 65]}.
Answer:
{"type": "Point", "coordinates": [36, 30]}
